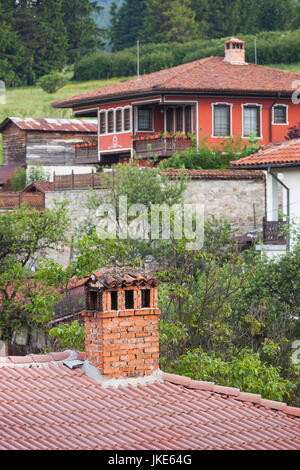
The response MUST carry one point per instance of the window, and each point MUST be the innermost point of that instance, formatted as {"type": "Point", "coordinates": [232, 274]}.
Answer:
{"type": "Point", "coordinates": [145, 119]}
{"type": "Point", "coordinates": [102, 123]}
{"type": "Point", "coordinates": [179, 119]}
{"type": "Point", "coordinates": [280, 115]}
{"type": "Point", "coordinates": [145, 298]}
{"type": "Point", "coordinates": [119, 120]}
{"type": "Point", "coordinates": [252, 124]}
{"type": "Point", "coordinates": [93, 300]}
{"type": "Point", "coordinates": [188, 119]}
{"type": "Point", "coordinates": [222, 120]}
{"type": "Point", "coordinates": [114, 300]}
{"type": "Point", "coordinates": [129, 300]}
{"type": "Point", "coordinates": [110, 122]}
{"type": "Point", "coordinates": [170, 119]}
{"type": "Point", "coordinates": [127, 125]}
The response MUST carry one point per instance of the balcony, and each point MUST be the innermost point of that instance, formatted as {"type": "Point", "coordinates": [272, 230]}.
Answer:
{"type": "Point", "coordinates": [157, 146]}
{"type": "Point", "coordinates": [86, 153]}
{"type": "Point", "coordinates": [274, 232]}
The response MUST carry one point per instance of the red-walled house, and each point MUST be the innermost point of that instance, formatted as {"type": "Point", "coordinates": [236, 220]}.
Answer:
{"type": "Point", "coordinates": [214, 97]}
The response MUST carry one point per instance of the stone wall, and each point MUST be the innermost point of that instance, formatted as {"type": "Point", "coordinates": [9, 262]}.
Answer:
{"type": "Point", "coordinates": [241, 201]}
{"type": "Point", "coordinates": [237, 200]}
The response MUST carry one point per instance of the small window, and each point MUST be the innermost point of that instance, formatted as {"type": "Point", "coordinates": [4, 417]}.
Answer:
{"type": "Point", "coordinates": [145, 298]}
{"type": "Point", "coordinates": [102, 123]}
{"type": "Point", "coordinates": [129, 305]}
{"type": "Point", "coordinates": [188, 119]}
{"type": "Point", "coordinates": [280, 115]}
{"type": "Point", "coordinates": [222, 124]}
{"type": "Point", "coordinates": [93, 301]}
{"type": "Point", "coordinates": [127, 119]}
{"type": "Point", "coordinates": [179, 119]}
{"type": "Point", "coordinates": [170, 119]}
{"type": "Point", "coordinates": [119, 120]}
{"type": "Point", "coordinates": [114, 300]}
{"type": "Point", "coordinates": [252, 124]}
{"type": "Point", "coordinates": [110, 122]}
{"type": "Point", "coordinates": [145, 119]}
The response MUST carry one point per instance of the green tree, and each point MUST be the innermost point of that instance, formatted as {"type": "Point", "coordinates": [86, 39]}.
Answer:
{"type": "Point", "coordinates": [24, 235]}
{"type": "Point", "coordinates": [169, 21]}
{"type": "Point", "coordinates": [84, 36]}
{"type": "Point", "coordinates": [126, 23]}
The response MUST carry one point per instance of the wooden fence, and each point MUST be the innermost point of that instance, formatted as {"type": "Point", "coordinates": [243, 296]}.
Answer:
{"type": "Point", "coordinates": [84, 181]}
{"type": "Point", "coordinates": [14, 200]}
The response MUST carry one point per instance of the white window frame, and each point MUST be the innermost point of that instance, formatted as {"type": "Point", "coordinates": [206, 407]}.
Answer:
{"type": "Point", "coordinates": [246, 105]}
{"type": "Point", "coordinates": [213, 105]}
{"type": "Point", "coordinates": [123, 131]}
{"type": "Point", "coordinates": [287, 115]}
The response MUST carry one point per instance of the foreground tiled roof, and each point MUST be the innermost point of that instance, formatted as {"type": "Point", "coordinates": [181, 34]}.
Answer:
{"type": "Point", "coordinates": [216, 174]}
{"type": "Point", "coordinates": [285, 153]}
{"type": "Point", "coordinates": [205, 75]}
{"type": "Point", "coordinates": [45, 405]}
{"type": "Point", "coordinates": [54, 124]}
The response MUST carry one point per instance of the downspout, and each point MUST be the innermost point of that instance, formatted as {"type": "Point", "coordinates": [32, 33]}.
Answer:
{"type": "Point", "coordinates": [288, 211]}
{"type": "Point", "coordinates": [271, 117]}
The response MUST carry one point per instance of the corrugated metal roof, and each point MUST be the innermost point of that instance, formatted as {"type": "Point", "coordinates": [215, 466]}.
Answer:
{"type": "Point", "coordinates": [55, 125]}
{"type": "Point", "coordinates": [47, 406]}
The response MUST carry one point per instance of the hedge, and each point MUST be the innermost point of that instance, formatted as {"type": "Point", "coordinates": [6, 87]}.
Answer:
{"type": "Point", "coordinates": [273, 47]}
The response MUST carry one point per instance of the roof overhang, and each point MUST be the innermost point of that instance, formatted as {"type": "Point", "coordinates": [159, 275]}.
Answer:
{"type": "Point", "coordinates": [265, 166]}
{"type": "Point", "coordinates": [116, 97]}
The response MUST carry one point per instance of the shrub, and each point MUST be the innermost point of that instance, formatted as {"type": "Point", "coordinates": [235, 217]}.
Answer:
{"type": "Point", "coordinates": [18, 181]}
{"type": "Point", "coordinates": [52, 82]}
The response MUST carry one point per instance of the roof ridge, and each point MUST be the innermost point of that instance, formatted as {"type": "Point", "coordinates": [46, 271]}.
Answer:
{"type": "Point", "coordinates": [10, 361]}
{"type": "Point", "coordinates": [235, 393]}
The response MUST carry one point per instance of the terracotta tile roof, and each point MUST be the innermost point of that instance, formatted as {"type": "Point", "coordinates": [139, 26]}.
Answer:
{"type": "Point", "coordinates": [285, 153]}
{"type": "Point", "coordinates": [42, 186]}
{"type": "Point", "coordinates": [205, 75]}
{"type": "Point", "coordinates": [116, 277]}
{"type": "Point", "coordinates": [216, 174]}
{"type": "Point", "coordinates": [47, 406]}
{"type": "Point", "coordinates": [55, 125]}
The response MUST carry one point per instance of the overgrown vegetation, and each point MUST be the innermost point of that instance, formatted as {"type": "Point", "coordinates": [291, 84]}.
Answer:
{"type": "Point", "coordinates": [227, 317]}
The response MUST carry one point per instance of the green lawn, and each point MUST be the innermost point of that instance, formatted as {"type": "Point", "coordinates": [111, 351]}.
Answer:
{"type": "Point", "coordinates": [34, 102]}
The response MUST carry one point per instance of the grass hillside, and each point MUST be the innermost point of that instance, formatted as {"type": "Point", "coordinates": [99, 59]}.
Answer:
{"type": "Point", "coordinates": [34, 102]}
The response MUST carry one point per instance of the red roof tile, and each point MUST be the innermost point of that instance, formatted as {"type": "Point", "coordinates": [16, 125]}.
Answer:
{"type": "Point", "coordinates": [205, 75]}
{"type": "Point", "coordinates": [47, 406]}
{"type": "Point", "coordinates": [54, 124]}
{"type": "Point", "coordinates": [285, 153]}
{"type": "Point", "coordinates": [215, 174]}
{"type": "Point", "coordinates": [42, 186]}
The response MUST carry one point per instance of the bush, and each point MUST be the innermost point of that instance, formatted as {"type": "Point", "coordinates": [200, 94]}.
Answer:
{"type": "Point", "coordinates": [18, 181]}
{"type": "Point", "coordinates": [273, 47]}
{"type": "Point", "coordinates": [52, 82]}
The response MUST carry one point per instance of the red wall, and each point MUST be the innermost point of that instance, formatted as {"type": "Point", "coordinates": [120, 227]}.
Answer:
{"type": "Point", "coordinates": [120, 141]}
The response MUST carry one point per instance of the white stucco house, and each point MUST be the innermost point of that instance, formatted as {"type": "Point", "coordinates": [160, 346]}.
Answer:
{"type": "Point", "coordinates": [281, 164]}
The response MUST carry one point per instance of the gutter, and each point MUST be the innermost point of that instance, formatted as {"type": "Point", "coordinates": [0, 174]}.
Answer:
{"type": "Point", "coordinates": [288, 242]}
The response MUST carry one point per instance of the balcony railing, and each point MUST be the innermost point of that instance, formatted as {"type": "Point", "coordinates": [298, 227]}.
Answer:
{"type": "Point", "coordinates": [160, 147]}
{"type": "Point", "coordinates": [86, 154]}
{"type": "Point", "coordinates": [274, 232]}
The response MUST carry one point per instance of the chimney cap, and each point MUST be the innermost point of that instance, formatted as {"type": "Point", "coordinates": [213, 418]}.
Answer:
{"type": "Point", "coordinates": [235, 40]}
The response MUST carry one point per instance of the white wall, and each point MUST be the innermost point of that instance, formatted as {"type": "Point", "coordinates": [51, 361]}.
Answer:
{"type": "Point", "coordinates": [66, 170]}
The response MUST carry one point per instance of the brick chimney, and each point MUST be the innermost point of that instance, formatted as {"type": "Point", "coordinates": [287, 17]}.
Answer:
{"type": "Point", "coordinates": [121, 323]}
{"type": "Point", "coordinates": [235, 52]}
